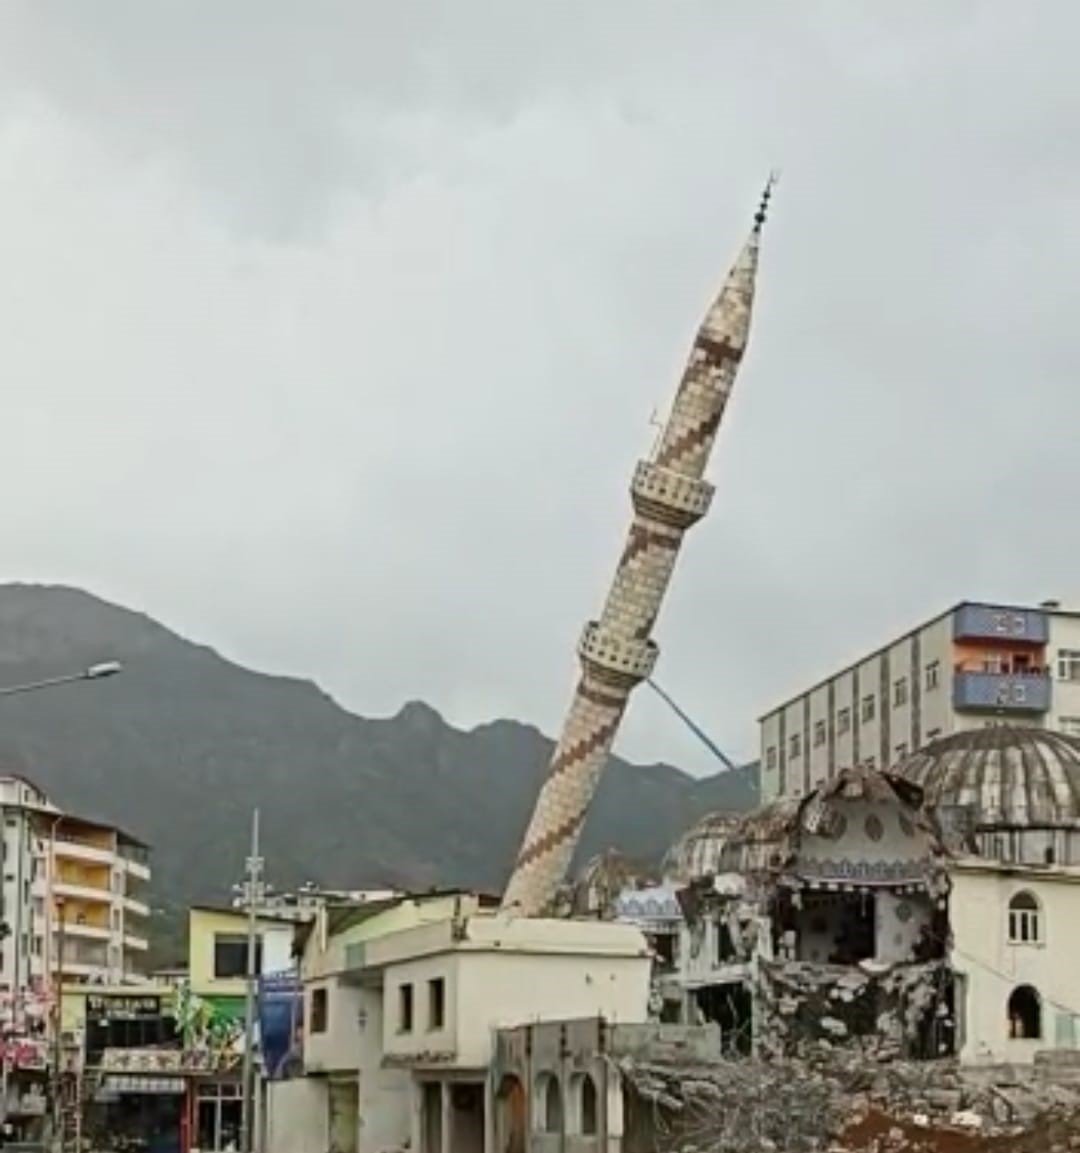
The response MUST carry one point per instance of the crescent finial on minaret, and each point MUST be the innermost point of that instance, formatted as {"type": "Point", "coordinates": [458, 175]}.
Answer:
{"type": "Point", "coordinates": [763, 204]}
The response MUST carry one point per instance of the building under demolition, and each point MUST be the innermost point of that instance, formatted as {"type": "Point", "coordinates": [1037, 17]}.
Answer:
{"type": "Point", "coordinates": [831, 918]}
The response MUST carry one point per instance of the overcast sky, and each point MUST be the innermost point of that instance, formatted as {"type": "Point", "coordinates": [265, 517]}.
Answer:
{"type": "Point", "coordinates": [330, 332]}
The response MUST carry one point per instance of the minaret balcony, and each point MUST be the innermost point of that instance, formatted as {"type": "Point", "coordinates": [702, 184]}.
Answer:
{"type": "Point", "coordinates": [669, 497]}
{"type": "Point", "coordinates": [622, 658]}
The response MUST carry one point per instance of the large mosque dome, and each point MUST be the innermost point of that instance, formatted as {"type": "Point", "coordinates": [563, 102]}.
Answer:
{"type": "Point", "coordinates": [1014, 791]}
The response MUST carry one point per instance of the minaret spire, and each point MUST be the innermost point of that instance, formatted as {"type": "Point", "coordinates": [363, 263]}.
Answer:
{"type": "Point", "coordinates": [616, 652]}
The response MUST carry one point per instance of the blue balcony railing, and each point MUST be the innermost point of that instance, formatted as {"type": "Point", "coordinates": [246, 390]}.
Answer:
{"type": "Point", "coordinates": [1001, 692]}
{"type": "Point", "coordinates": [998, 623]}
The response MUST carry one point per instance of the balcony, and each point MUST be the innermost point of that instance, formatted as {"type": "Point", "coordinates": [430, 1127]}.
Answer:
{"type": "Point", "coordinates": [81, 851]}
{"type": "Point", "coordinates": [140, 870]}
{"type": "Point", "coordinates": [81, 892]}
{"type": "Point", "coordinates": [136, 907]}
{"type": "Point", "coordinates": [1000, 623]}
{"type": "Point", "coordinates": [136, 943]}
{"type": "Point", "coordinates": [90, 932]}
{"type": "Point", "coordinates": [1001, 692]}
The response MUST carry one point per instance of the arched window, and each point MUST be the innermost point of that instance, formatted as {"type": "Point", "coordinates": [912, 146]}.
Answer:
{"type": "Point", "coordinates": [585, 1103]}
{"type": "Point", "coordinates": [1025, 1013]}
{"type": "Point", "coordinates": [548, 1117]}
{"type": "Point", "coordinates": [1024, 920]}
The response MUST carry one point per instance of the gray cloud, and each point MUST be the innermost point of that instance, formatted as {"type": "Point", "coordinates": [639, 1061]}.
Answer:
{"type": "Point", "coordinates": [331, 332]}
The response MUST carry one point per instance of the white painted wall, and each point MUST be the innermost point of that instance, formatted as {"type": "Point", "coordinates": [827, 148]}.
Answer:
{"type": "Point", "coordinates": [348, 1036]}
{"type": "Point", "coordinates": [501, 971]}
{"type": "Point", "coordinates": [992, 967]}
{"type": "Point", "coordinates": [296, 1116]}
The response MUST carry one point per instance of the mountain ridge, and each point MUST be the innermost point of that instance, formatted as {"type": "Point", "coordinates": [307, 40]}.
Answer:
{"type": "Point", "coordinates": [179, 749]}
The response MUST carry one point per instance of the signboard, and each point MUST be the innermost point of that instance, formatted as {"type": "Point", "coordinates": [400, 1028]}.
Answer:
{"type": "Point", "coordinates": [168, 1062]}
{"type": "Point", "coordinates": [23, 1053]}
{"type": "Point", "coordinates": [122, 1007]}
{"type": "Point", "coordinates": [114, 1086]}
{"type": "Point", "coordinates": [280, 1017]}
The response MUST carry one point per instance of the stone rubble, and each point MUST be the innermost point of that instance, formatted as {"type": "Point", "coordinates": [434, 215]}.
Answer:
{"type": "Point", "coordinates": [833, 1101]}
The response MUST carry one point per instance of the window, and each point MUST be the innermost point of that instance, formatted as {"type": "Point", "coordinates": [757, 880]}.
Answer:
{"type": "Point", "coordinates": [1070, 726]}
{"type": "Point", "coordinates": [1025, 1014]}
{"type": "Point", "coordinates": [320, 1010]}
{"type": "Point", "coordinates": [723, 945]}
{"type": "Point", "coordinates": [231, 956]}
{"type": "Point", "coordinates": [586, 1100]}
{"type": "Point", "coordinates": [549, 1110]}
{"type": "Point", "coordinates": [933, 674]}
{"type": "Point", "coordinates": [995, 663]}
{"type": "Point", "coordinates": [770, 757]}
{"type": "Point", "coordinates": [436, 990]}
{"type": "Point", "coordinates": [795, 745]}
{"type": "Point", "coordinates": [1068, 666]}
{"type": "Point", "coordinates": [819, 734]}
{"type": "Point", "coordinates": [217, 1117]}
{"type": "Point", "coordinates": [899, 692]}
{"type": "Point", "coordinates": [405, 1008]}
{"type": "Point", "coordinates": [843, 721]}
{"type": "Point", "coordinates": [1024, 925]}
{"type": "Point", "coordinates": [867, 711]}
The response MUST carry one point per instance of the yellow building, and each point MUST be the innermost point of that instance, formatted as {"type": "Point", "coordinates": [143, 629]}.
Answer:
{"type": "Point", "coordinates": [97, 883]}
{"type": "Point", "coordinates": [217, 953]}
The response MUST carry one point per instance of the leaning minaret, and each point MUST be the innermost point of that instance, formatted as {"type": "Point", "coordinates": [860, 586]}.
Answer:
{"type": "Point", "coordinates": [616, 652]}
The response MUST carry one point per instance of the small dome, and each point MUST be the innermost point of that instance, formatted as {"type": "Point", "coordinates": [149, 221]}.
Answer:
{"type": "Point", "coordinates": [697, 852]}
{"type": "Point", "coordinates": [1002, 776]}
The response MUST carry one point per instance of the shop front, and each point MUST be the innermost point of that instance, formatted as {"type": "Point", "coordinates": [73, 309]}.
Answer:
{"type": "Point", "coordinates": [190, 1100]}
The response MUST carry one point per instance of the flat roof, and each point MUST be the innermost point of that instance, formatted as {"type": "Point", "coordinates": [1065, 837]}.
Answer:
{"type": "Point", "coordinates": [230, 911]}
{"type": "Point", "coordinates": [1059, 612]}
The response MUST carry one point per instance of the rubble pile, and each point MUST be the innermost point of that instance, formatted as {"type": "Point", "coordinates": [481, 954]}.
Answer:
{"type": "Point", "coordinates": [848, 1102]}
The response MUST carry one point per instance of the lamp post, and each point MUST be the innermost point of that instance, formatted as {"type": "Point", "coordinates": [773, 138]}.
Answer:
{"type": "Point", "coordinates": [93, 673]}
{"type": "Point", "coordinates": [254, 893]}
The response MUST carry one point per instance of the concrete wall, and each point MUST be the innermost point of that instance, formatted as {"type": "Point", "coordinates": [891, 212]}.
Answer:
{"type": "Point", "coordinates": [296, 1115]}
{"type": "Point", "coordinates": [492, 990]}
{"type": "Point", "coordinates": [992, 967]}
{"type": "Point", "coordinates": [352, 1034]}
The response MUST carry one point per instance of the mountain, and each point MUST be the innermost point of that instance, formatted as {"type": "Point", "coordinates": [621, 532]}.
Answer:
{"type": "Point", "coordinates": [179, 749]}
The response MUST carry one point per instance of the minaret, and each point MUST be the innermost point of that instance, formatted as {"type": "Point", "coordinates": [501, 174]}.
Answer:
{"type": "Point", "coordinates": [616, 651]}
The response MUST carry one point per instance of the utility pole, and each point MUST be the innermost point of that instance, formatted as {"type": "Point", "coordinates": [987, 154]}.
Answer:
{"type": "Point", "coordinates": [254, 892]}
{"type": "Point", "coordinates": [58, 1025]}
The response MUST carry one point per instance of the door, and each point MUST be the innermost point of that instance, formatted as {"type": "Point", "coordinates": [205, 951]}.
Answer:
{"type": "Point", "coordinates": [343, 1120]}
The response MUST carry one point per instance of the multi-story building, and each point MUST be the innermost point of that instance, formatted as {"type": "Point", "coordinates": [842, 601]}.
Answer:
{"type": "Point", "coordinates": [97, 890]}
{"type": "Point", "coordinates": [976, 664]}
{"type": "Point", "coordinates": [26, 818]}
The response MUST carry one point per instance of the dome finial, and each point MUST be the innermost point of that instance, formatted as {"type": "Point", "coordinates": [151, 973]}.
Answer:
{"type": "Point", "coordinates": [763, 204]}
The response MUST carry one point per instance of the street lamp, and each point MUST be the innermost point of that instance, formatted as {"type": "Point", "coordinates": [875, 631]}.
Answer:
{"type": "Point", "coordinates": [93, 673]}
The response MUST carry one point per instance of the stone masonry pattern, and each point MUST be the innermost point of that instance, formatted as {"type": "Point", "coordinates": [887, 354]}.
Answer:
{"type": "Point", "coordinates": [616, 651]}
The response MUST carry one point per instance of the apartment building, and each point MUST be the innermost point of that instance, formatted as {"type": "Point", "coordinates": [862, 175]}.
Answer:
{"type": "Point", "coordinates": [97, 890]}
{"type": "Point", "coordinates": [25, 821]}
{"type": "Point", "coordinates": [976, 664]}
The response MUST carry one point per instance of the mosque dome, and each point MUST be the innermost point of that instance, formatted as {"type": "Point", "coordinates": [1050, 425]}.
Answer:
{"type": "Point", "coordinates": [1007, 776]}
{"type": "Point", "coordinates": [697, 852]}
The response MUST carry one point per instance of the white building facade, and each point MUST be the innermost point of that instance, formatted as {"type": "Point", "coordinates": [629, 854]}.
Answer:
{"type": "Point", "coordinates": [1015, 941]}
{"type": "Point", "coordinates": [400, 1020]}
{"type": "Point", "coordinates": [976, 664]}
